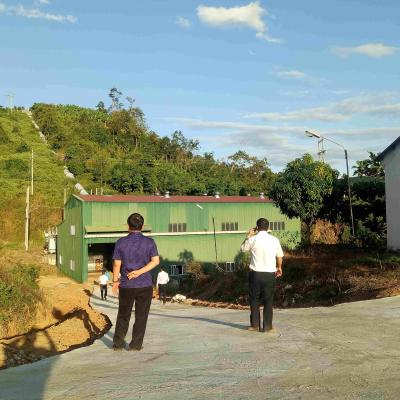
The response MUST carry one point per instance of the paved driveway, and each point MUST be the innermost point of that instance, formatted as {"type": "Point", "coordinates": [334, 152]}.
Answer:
{"type": "Point", "coordinates": [350, 351]}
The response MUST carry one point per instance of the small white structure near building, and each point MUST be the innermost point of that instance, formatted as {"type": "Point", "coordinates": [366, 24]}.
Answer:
{"type": "Point", "coordinates": [390, 158]}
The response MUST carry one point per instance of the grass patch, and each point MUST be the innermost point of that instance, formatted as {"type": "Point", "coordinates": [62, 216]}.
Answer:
{"type": "Point", "coordinates": [19, 296]}
{"type": "Point", "coordinates": [17, 138]}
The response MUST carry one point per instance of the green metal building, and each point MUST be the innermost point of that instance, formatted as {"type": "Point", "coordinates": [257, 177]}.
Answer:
{"type": "Point", "coordinates": [182, 226]}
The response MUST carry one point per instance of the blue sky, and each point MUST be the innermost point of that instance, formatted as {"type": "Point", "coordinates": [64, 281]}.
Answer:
{"type": "Point", "coordinates": [249, 75]}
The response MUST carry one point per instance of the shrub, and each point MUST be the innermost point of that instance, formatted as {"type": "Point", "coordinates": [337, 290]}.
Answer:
{"type": "Point", "coordinates": [345, 236]}
{"type": "Point", "coordinates": [16, 129]}
{"type": "Point", "coordinates": [242, 261]}
{"type": "Point", "coordinates": [294, 271]}
{"type": "Point", "coordinates": [3, 136]}
{"type": "Point", "coordinates": [366, 237]}
{"type": "Point", "coordinates": [19, 294]}
{"type": "Point", "coordinates": [325, 232]}
{"type": "Point", "coordinates": [22, 148]}
{"type": "Point", "coordinates": [16, 167]}
{"type": "Point", "coordinates": [195, 269]}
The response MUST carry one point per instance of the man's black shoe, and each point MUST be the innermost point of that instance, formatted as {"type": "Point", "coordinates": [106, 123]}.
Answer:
{"type": "Point", "coordinates": [117, 348]}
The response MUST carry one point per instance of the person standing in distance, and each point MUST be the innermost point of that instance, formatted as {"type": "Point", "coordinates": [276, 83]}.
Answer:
{"type": "Point", "coordinates": [134, 257]}
{"type": "Point", "coordinates": [162, 280]}
{"type": "Point", "coordinates": [103, 280]}
{"type": "Point", "coordinates": [265, 267]}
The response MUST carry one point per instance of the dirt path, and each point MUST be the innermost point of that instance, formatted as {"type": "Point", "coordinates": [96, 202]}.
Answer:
{"type": "Point", "coordinates": [64, 322]}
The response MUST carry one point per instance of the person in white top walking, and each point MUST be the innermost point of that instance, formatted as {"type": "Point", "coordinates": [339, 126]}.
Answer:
{"type": "Point", "coordinates": [162, 280]}
{"type": "Point", "coordinates": [265, 266]}
{"type": "Point", "coordinates": [103, 280]}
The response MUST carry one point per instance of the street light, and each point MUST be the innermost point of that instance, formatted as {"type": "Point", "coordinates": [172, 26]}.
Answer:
{"type": "Point", "coordinates": [321, 137]}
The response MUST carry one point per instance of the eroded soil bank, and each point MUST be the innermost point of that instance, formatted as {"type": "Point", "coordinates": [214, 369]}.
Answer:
{"type": "Point", "coordinates": [63, 322]}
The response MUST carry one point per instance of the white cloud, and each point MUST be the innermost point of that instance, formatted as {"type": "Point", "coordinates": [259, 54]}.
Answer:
{"type": "Point", "coordinates": [282, 144]}
{"type": "Point", "coordinates": [21, 11]}
{"type": "Point", "coordinates": [249, 16]}
{"type": "Point", "coordinates": [295, 74]}
{"type": "Point", "coordinates": [316, 113]}
{"type": "Point", "coordinates": [183, 22]}
{"type": "Point", "coordinates": [44, 1]}
{"type": "Point", "coordinates": [381, 105]}
{"type": "Point", "coordinates": [291, 74]}
{"type": "Point", "coordinates": [374, 50]}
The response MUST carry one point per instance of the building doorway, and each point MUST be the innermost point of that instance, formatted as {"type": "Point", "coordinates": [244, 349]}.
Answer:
{"type": "Point", "coordinates": [100, 257]}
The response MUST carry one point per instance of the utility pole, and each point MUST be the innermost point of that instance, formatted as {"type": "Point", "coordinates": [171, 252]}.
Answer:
{"type": "Point", "coordinates": [349, 192]}
{"type": "Point", "coordinates": [215, 246]}
{"type": "Point", "coordinates": [10, 97]}
{"type": "Point", "coordinates": [321, 150]}
{"type": "Point", "coordinates": [27, 220]}
{"type": "Point", "coordinates": [32, 174]}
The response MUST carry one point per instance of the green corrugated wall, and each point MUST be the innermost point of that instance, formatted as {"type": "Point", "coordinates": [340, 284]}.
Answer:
{"type": "Point", "coordinates": [159, 216]}
{"type": "Point", "coordinates": [71, 247]}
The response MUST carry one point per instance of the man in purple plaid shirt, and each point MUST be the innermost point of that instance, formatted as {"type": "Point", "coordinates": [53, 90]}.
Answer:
{"type": "Point", "coordinates": [134, 257]}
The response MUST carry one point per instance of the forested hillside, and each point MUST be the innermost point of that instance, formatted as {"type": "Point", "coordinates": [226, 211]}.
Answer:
{"type": "Point", "coordinates": [115, 149]}
{"type": "Point", "coordinates": [17, 138]}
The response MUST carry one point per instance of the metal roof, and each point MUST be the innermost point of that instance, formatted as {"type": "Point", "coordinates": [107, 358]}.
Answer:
{"type": "Point", "coordinates": [171, 199]}
{"type": "Point", "coordinates": [117, 228]}
{"type": "Point", "coordinates": [389, 149]}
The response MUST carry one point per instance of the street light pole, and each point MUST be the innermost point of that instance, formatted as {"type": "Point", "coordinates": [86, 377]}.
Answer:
{"type": "Point", "coordinates": [320, 137]}
{"type": "Point", "coordinates": [349, 192]}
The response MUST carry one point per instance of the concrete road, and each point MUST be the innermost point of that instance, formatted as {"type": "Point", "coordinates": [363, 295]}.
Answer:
{"type": "Point", "coordinates": [350, 351]}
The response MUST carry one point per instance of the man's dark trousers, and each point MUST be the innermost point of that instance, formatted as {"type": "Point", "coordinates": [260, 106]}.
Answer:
{"type": "Point", "coordinates": [103, 291]}
{"type": "Point", "coordinates": [162, 292]}
{"type": "Point", "coordinates": [141, 297]}
{"type": "Point", "coordinates": [261, 291]}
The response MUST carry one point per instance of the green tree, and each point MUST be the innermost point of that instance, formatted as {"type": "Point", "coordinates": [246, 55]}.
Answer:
{"type": "Point", "coordinates": [115, 96]}
{"type": "Point", "coordinates": [101, 107]}
{"type": "Point", "coordinates": [371, 166]}
{"type": "Point", "coordinates": [302, 189]}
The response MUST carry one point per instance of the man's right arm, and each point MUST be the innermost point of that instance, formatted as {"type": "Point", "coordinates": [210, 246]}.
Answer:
{"type": "Point", "coordinates": [279, 259]}
{"type": "Point", "coordinates": [278, 267]}
{"type": "Point", "coordinates": [247, 243]}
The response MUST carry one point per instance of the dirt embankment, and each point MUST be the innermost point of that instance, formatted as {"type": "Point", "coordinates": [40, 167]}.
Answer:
{"type": "Point", "coordinates": [324, 277]}
{"type": "Point", "coordinates": [63, 322]}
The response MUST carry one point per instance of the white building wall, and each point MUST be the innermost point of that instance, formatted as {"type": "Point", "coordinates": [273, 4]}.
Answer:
{"type": "Point", "coordinates": [392, 188]}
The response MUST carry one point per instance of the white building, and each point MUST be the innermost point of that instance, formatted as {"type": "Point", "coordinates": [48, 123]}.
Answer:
{"type": "Point", "coordinates": [390, 158]}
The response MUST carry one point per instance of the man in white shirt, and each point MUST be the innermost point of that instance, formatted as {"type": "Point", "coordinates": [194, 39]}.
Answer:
{"type": "Point", "coordinates": [162, 280]}
{"type": "Point", "coordinates": [265, 267]}
{"type": "Point", "coordinates": [103, 280]}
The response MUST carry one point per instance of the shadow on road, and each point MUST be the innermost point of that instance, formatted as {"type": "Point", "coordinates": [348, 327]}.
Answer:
{"type": "Point", "coordinates": [208, 320]}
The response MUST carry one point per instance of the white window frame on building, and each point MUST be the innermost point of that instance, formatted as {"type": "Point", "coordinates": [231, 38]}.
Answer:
{"type": "Point", "coordinates": [72, 265]}
{"type": "Point", "coordinates": [177, 227]}
{"type": "Point", "coordinates": [72, 230]}
{"type": "Point", "coordinates": [229, 226]}
{"type": "Point", "coordinates": [230, 266]}
{"type": "Point", "coordinates": [277, 225]}
{"type": "Point", "coordinates": [177, 270]}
